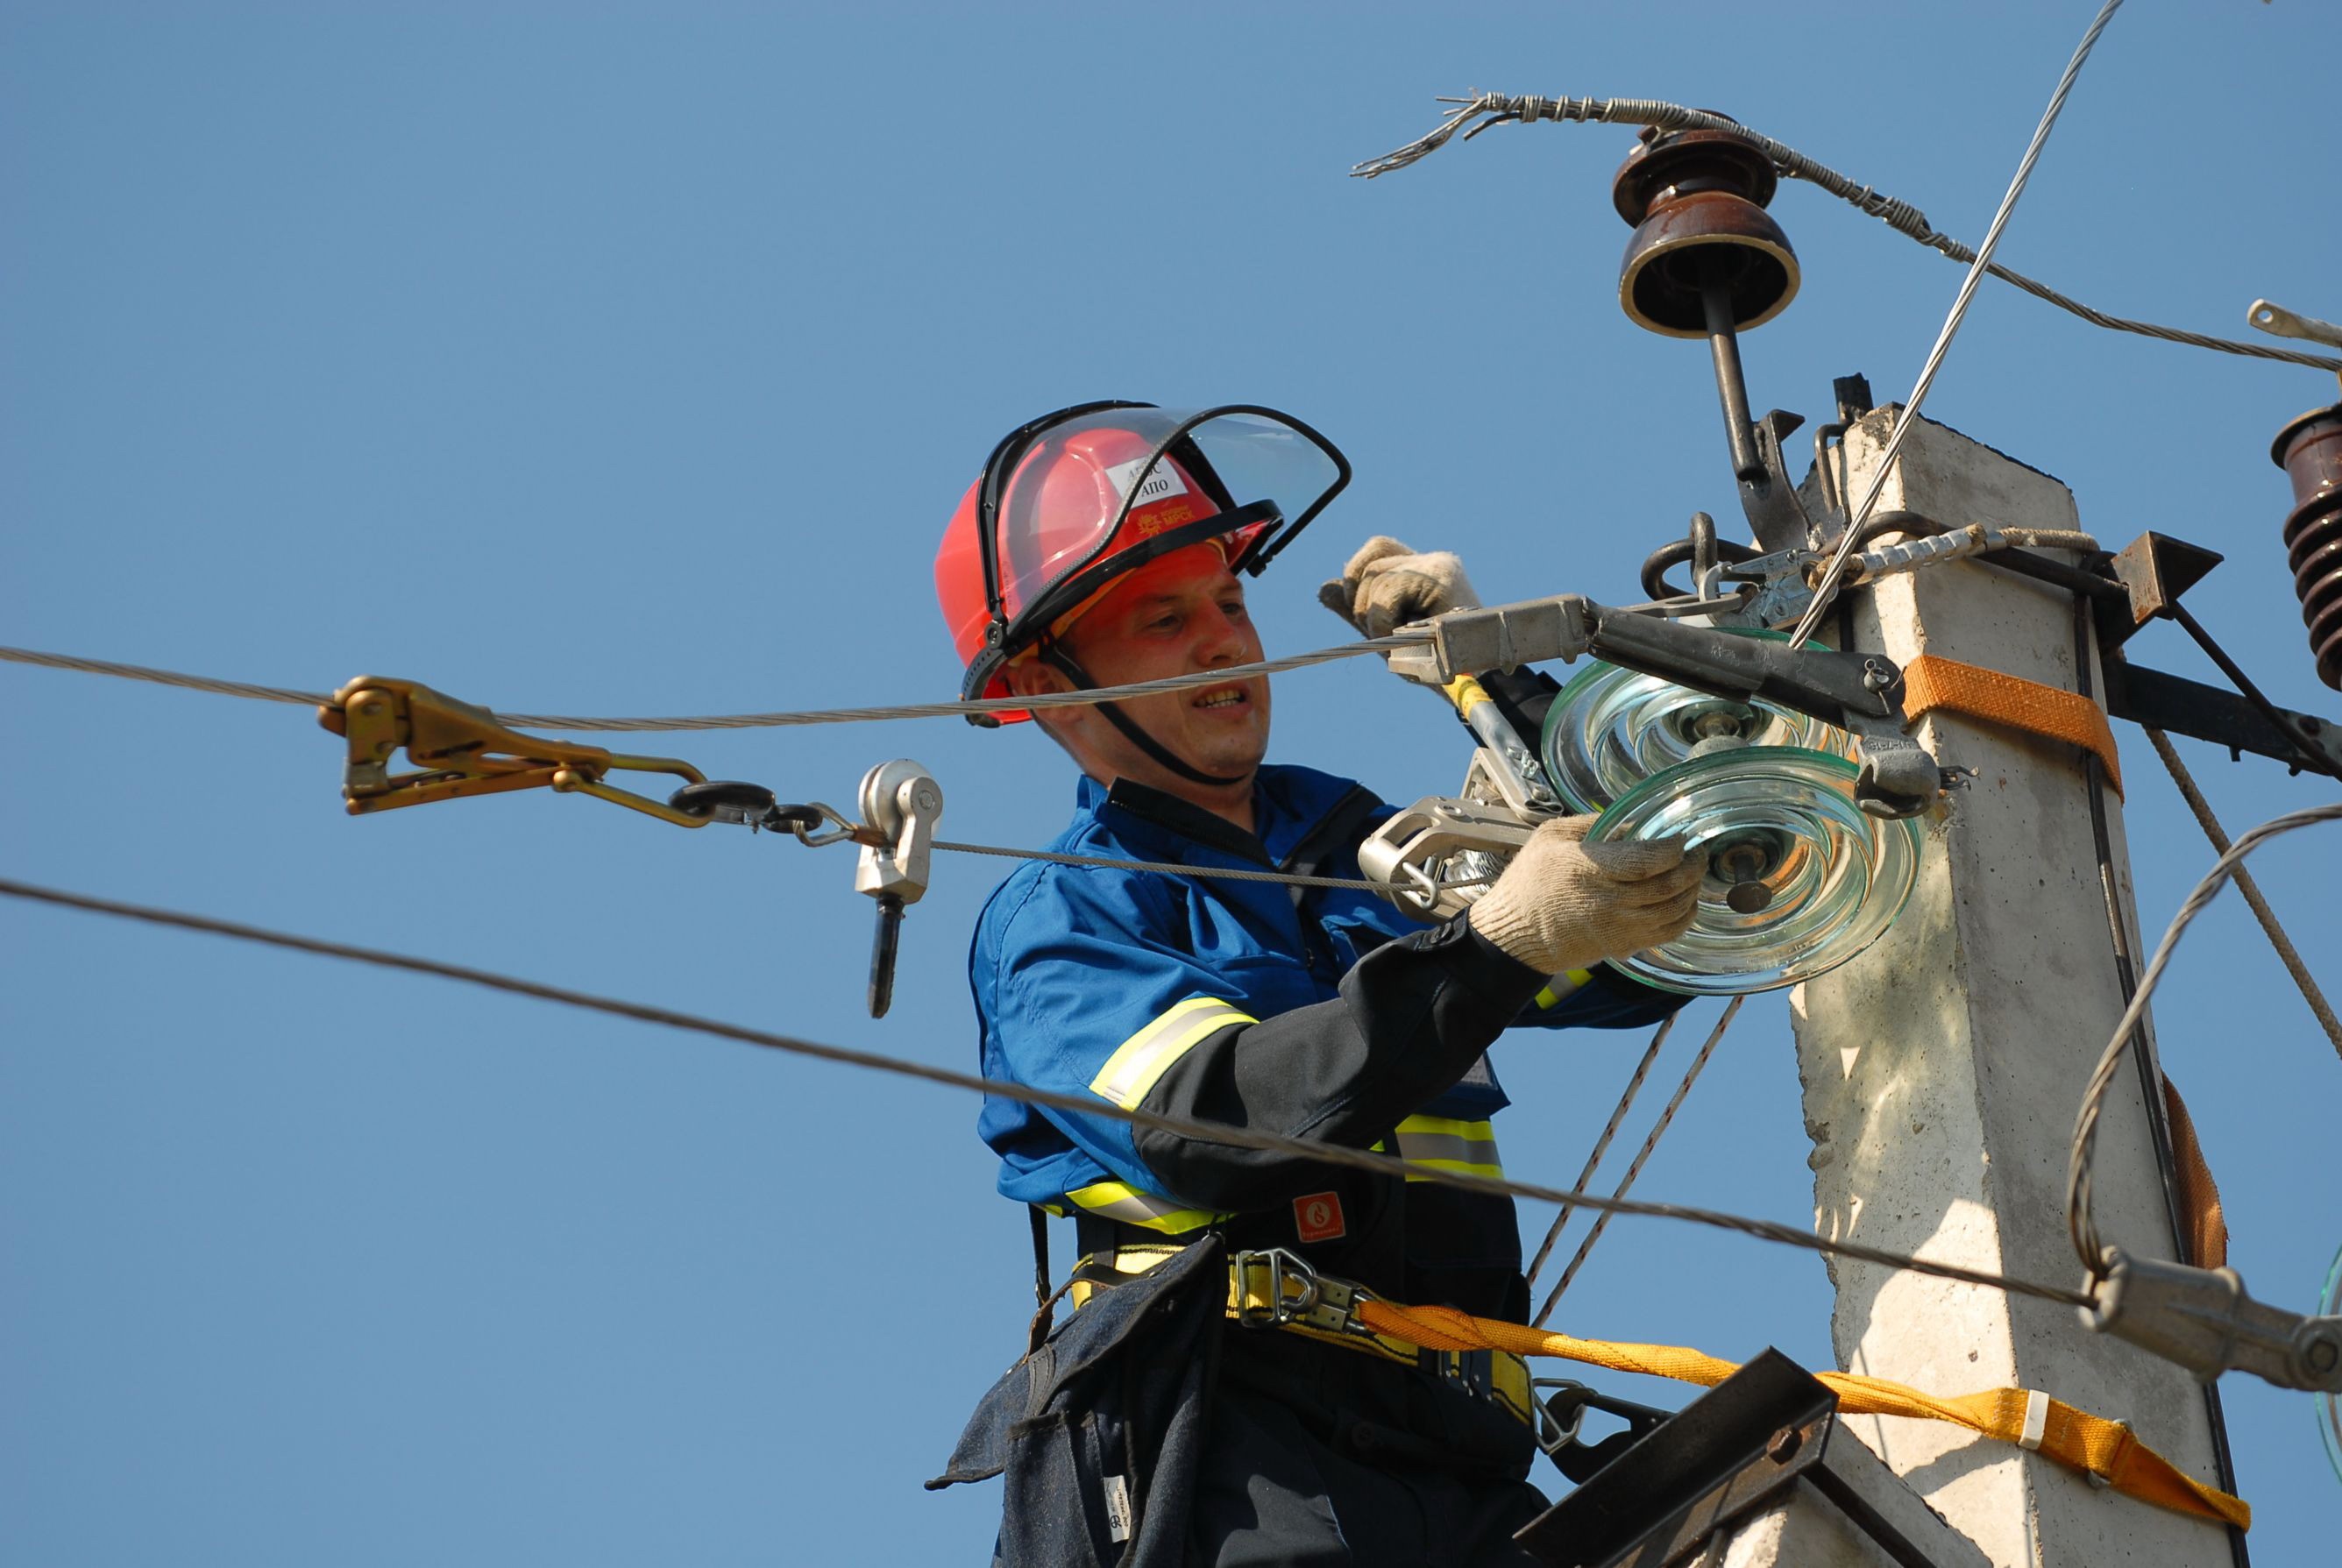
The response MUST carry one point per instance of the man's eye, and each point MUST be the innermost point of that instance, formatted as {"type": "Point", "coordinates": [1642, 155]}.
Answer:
{"type": "Point", "coordinates": [1164, 624]}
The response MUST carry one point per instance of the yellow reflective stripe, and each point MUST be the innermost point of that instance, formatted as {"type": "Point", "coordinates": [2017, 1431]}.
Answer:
{"type": "Point", "coordinates": [1562, 987]}
{"type": "Point", "coordinates": [1121, 1202]}
{"type": "Point", "coordinates": [1146, 1055]}
{"type": "Point", "coordinates": [1446, 1144]}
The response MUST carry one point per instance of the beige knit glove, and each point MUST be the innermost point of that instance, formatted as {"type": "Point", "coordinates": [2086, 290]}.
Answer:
{"type": "Point", "coordinates": [1564, 904]}
{"type": "Point", "coordinates": [1387, 584]}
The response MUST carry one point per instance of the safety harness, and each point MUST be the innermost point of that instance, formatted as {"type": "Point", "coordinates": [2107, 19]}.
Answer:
{"type": "Point", "coordinates": [1272, 1288]}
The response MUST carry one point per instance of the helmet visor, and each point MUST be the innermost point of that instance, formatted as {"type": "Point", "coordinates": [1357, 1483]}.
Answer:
{"type": "Point", "coordinates": [1105, 490]}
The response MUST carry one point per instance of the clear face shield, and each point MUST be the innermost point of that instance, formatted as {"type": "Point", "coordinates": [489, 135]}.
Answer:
{"type": "Point", "coordinates": [1072, 501]}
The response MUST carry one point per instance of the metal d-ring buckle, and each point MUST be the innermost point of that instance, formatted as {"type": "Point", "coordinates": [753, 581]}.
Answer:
{"type": "Point", "coordinates": [1551, 1435]}
{"type": "Point", "coordinates": [1279, 1262]}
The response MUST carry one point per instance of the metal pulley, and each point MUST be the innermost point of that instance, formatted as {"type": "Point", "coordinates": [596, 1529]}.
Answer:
{"type": "Point", "coordinates": [900, 801]}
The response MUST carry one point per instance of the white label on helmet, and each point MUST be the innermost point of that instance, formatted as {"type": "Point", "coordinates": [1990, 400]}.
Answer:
{"type": "Point", "coordinates": [1161, 485]}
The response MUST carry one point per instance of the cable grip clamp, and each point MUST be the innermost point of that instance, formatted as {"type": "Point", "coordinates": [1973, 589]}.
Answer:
{"type": "Point", "coordinates": [460, 750]}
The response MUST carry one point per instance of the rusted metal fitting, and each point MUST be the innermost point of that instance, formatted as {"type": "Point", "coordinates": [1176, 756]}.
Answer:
{"type": "Point", "coordinates": [1697, 200]}
{"type": "Point", "coordinates": [2309, 450]}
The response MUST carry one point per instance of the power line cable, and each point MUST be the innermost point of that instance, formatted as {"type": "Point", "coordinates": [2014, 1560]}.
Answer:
{"type": "Point", "coordinates": [1484, 111]}
{"type": "Point", "coordinates": [1169, 867]}
{"type": "Point", "coordinates": [1642, 1157]}
{"type": "Point", "coordinates": [754, 721]}
{"type": "Point", "coordinates": [2080, 1224]}
{"type": "Point", "coordinates": [1219, 1133]}
{"type": "Point", "coordinates": [1602, 1143]}
{"type": "Point", "coordinates": [2287, 953]}
{"type": "Point", "coordinates": [1908, 417]}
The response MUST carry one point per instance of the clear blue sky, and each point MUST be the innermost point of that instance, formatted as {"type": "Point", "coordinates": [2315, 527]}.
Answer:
{"type": "Point", "coordinates": [630, 360]}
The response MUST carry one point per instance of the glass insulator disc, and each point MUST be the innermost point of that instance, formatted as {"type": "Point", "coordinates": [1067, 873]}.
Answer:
{"type": "Point", "coordinates": [2329, 1407]}
{"type": "Point", "coordinates": [1799, 878]}
{"type": "Point", "coordinates": [1611, 728]}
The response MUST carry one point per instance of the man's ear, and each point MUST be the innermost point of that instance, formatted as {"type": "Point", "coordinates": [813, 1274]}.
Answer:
{"type": "Point", "coordinates": [1031, 677]}
{"type": "Point", "coordinates": [1034, 677]}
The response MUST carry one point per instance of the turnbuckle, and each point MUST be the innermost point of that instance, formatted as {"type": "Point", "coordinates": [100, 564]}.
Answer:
{"type": "Point", "coordinates": [462, 749]}
{"type": "Point", "coordinates": [1281, 1264]}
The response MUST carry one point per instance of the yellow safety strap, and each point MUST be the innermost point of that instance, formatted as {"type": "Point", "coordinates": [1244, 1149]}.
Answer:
{"type": "Point", "coordinates": [1931, 683]}
{"type": "Point", "coordinates": [2027, 1417]}
{"type": "Point", "coordinates": [2201, 1218]}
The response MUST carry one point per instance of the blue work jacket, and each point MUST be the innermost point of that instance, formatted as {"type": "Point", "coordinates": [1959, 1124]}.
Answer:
{"type": "Point", "coordinates": [1319, 1012]}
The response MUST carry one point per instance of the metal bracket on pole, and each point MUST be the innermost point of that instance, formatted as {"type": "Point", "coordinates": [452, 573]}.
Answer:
{"type": "Point", "coordinates": [1715, 1462]}
{"type": "Point", "coordinates": [2203, 1320]}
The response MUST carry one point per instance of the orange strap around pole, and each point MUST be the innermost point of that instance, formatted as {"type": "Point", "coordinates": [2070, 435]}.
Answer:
{"type": "Point", "coordinates": [1932, 683]}
{"type": "Point", "coordinates": [2201, 1221]}
{"type": "Point", "coordinates": [2103, 1448]}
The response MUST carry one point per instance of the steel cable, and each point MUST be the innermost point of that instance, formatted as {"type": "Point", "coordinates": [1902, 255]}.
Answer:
{"type": "Point", "coordinates": [1484, 111]}
{"type": "Point", "coordinates": [1167, 867]}
{"type": "Point", "coordinates": [1226, 1135]}
{"type": "Point", "coordinates": [1907, 416]}
{"type": "Point", "coordinates": [2080, 1224]}
{"type": "Point", "coordinates": [754, 721]}
{"type": "Point", "coordinates": [1602, 1143]}
{"type": "Point", "coordinates": [1642, 1157]}
{"type": "Point", "coordinates": [2287, 953]}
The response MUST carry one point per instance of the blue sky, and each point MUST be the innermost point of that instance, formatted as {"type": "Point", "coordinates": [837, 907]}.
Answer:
{"type": "Point", "coordinates": [630, 360]}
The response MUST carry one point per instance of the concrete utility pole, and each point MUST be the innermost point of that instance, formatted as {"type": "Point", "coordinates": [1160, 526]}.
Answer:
{"type": "Point", "coordinates": [1942, 1069]}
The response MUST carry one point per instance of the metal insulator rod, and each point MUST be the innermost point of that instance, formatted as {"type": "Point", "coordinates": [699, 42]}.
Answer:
{"type": "Point", "coordinates": [1723, 346]}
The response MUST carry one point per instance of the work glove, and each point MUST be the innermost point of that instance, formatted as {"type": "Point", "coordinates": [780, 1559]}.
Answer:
{"type": "Point", "coordinates": [1564, 903]}
{"type": "Point", "coordinates": [1387, 584]}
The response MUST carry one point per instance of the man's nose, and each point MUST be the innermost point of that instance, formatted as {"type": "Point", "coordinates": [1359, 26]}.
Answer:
{"type": "Point", "coordinates": [1220, 639]}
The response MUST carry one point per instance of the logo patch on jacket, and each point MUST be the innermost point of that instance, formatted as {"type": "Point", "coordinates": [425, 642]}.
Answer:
{"type": "Point", "coordinates": [1319, 1217]}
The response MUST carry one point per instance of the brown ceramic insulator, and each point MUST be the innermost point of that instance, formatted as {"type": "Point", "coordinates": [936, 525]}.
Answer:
{"type": "Point", "coordinates": [2309, 450]}
{"type": "Point", "coordinates": [1697, 201]}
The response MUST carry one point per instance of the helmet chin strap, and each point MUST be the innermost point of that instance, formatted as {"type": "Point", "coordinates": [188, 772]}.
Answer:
{"type": "Point", "coordinates": [1063, 664]}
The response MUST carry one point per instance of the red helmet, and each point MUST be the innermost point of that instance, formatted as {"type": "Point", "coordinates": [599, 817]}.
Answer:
{"type": "Point", "coordinates": [1072, 501]}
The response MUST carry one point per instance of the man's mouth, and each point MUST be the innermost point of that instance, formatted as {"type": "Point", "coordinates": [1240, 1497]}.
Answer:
{"type": "Point", "coordinates": [1222, 697]}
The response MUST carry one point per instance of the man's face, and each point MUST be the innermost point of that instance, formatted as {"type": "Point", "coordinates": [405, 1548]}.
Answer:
{"type": "Point", "coordinates": [1182, 614]}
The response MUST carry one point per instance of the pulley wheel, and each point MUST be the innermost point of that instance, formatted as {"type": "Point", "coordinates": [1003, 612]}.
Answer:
{"type": "Point", "coordinates": [1611, 728]}
{"type": "Point", "coordinates": [1799, 878]}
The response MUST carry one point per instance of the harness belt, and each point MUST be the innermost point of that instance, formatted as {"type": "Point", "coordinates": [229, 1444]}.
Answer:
{"type": "Point", "coordinates": [1272, 1287]}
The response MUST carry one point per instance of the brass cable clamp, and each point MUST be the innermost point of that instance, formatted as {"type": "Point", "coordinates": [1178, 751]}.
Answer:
{"type": "Point", "coordinates": [460, 750]}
